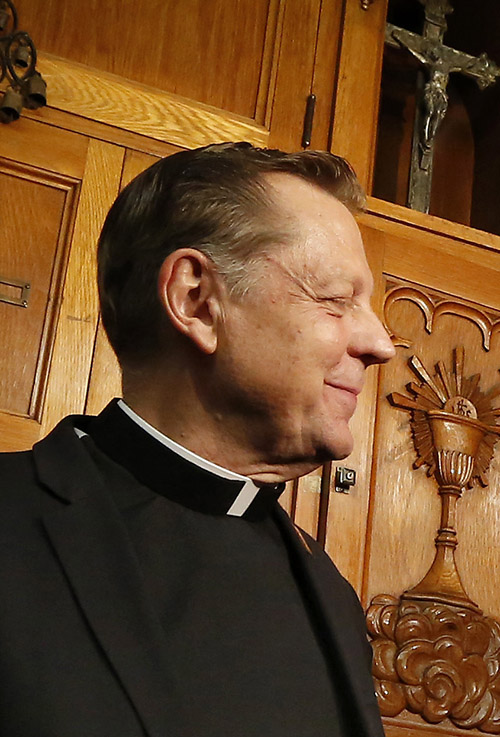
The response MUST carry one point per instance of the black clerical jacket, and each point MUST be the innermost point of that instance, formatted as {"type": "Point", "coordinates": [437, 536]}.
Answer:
{"type": "Point", "coordinates": [82, 651]}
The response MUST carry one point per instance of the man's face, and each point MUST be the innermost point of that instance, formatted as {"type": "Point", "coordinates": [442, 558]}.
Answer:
{"type": "Point", "coordinates": [294, 350]}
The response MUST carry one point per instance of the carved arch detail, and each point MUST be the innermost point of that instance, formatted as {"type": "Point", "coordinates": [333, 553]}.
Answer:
{"type": "Point", "coordinates": [432, 308]}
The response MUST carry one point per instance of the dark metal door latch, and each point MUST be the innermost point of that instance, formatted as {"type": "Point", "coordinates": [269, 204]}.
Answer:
{"type": "Point", "coordinates": [344, 479]}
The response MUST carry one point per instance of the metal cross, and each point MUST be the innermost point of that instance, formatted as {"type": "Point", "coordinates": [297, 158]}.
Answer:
{"type": "Point", "coordinates": [439, 62]}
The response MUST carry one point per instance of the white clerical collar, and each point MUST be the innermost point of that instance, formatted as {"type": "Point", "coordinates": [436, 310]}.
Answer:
{"type": "Point", "coordinates": [249, 490]}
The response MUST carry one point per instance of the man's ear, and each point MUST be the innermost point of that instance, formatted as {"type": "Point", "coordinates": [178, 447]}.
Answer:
{"type": "Point", "coordinates": [190, 289]}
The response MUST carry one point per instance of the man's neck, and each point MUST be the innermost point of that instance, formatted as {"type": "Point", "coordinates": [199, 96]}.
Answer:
{"type": "Point", "coordinates": [178, 403]}
{"type": "Point", "coordinates": [218, 440]}
{"type": "Point", "coordinates": [181, 450]}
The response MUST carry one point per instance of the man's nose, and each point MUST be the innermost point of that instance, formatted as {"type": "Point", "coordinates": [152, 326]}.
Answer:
{"type": "Point", "coordinates": [371, 341]}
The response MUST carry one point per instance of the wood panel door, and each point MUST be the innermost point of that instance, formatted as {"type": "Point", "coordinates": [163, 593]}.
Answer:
{"type": "Point", "coordinates": [55, 188]}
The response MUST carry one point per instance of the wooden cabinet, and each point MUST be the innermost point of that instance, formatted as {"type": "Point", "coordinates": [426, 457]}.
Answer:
{"type": "Point", "coordinates": [235, 70]}
{"type": "Point", "coordinates": [438, 289]}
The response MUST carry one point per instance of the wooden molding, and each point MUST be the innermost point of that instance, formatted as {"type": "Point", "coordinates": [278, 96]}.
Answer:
{"type": "Point", "coordinates": [431, 223]}
{"type": "Point", "coordinates": [130, 106]}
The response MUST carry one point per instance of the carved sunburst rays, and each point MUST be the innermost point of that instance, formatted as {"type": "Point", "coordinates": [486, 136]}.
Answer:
{"type": "Point", "coordinates": [451, 391]}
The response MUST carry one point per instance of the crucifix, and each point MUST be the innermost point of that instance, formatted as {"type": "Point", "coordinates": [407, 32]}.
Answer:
{"type": "Point", "coordinates": [438, 61]}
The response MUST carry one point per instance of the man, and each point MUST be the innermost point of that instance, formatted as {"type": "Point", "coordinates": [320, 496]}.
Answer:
{"type": "Point", "coordinates": [150, 582]}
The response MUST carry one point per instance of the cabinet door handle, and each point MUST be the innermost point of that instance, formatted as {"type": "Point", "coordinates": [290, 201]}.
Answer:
{"type": "Point", "coordinates": [19, 286]}
{"type": "Point", "coordinates": [308, 121]}
{"type": "Point", "coordinates": [365, 4]}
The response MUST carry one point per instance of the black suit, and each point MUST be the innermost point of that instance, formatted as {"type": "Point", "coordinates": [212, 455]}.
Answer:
{"type": "Point", "coordinates": [82, 650]}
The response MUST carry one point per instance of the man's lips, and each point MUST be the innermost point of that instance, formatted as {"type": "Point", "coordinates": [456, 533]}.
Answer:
{"type": "Point", "coordinates": [345, 396]}
{"type": "Point", "coordinates": [343, 387]}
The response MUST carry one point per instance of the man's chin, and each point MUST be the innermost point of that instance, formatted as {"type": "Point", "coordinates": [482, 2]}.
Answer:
{"type": "Point", "coordinates": [336, 450]}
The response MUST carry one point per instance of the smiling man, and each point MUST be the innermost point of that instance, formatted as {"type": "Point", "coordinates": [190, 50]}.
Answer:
{"type": "Point", "coordinates": [159, 588]}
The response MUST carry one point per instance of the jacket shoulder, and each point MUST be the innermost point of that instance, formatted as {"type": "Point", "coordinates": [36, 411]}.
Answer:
{"type": "Point", "coordinates": [17, 470]}
{"type": "Point", "coordinates": [20, 477]}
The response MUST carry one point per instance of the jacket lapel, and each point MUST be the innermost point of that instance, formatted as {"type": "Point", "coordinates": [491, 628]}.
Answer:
{"type": "Point", "coordinates": [341, 628]}
{"type": "Point", "coordinates": [91, 542]}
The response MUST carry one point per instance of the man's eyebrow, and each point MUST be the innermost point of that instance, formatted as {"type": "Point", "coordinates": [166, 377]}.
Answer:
{"type": "Point", "coordinates": [309, 285]}
{"type": "Point", "coordinates": [303, 282]}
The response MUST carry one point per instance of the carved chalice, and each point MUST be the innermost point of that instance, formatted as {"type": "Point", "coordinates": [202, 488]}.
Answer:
{"type": "Point", "coordinates": [456, 445]}
{"type": "Point", "coordinates": [456, 437]}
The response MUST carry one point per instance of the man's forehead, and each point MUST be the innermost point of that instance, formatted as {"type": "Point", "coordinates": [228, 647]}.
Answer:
{"type": "Point", "coordinates": [325, 247]}
{"type": "Point", "coordinates": [295, 191]}
{"type": "Point", "coordinates": [304, 205]}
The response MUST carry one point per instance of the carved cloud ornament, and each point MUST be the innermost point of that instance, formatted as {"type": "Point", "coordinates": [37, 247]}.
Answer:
{"type": "Point", "coordinates": [435, 653]}
{"type": "Point", "coordinates": [437, 661]}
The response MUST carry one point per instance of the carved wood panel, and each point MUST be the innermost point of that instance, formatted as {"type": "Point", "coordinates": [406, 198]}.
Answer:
{"type": "Point", "coordinates": [411, 489]}
{"type": "Point", "coordinates": [437, 645]}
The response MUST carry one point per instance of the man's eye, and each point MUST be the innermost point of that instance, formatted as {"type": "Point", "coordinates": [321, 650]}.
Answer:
{"type": "Point", "coordinates": [338, 305]}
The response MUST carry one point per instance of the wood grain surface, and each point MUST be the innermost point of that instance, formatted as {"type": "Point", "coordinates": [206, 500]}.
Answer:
{"type": "Point", "coordinates": [105, 374]}
{"type": "Point", "coordinates": [131, 106]}
{"type": "Point", "coordinates": [396, 217]}
{"type": "Point", "coordinates": [76, 330]}
{"type": "Point", "coordinates": [294, 74]}
{"type": "Point", "coordinates": [59, 151]}
{"type": "Point", "coordinates": [356, 104]}
{"type": "Point", "coordinates": [37, 252]}
{"type": "Point", "coordinates": [211, 52]}
{"type": "Point", "coordinates": [325, 72]}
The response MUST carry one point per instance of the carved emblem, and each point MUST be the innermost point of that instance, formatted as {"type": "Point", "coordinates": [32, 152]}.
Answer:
{"type": "Point", "coordinates": [436, 654]}
{"type": "Point", "coordinates": [452, 422]}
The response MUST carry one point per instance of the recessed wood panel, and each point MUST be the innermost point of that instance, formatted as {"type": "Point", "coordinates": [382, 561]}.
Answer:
{"type": "Point", "coordinates": [207, 51]}
{"type": "Point", "coordinates": [35, 210]}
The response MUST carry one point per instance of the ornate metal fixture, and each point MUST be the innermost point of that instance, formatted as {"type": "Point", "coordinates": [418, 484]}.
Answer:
{"type": "Point", "coordinates": [438, 61]}
{"type": "Point", "coordinates": [26, 88]}
{"type": "Point", "coordinates": [435, 652]}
